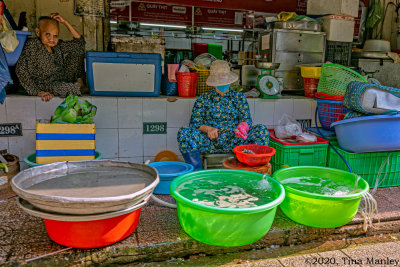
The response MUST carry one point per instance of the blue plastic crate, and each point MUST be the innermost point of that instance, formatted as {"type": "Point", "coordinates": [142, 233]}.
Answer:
{"type": "Point", "coordinates": [13, 57]}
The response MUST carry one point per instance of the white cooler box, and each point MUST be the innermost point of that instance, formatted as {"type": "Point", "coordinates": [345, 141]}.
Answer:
{"type": "Point", "coordinates": [325, 7]}
{"type": "Point", "coordinates": [123, 74]}
{"type": "Point", "coordinates": [338, 28]}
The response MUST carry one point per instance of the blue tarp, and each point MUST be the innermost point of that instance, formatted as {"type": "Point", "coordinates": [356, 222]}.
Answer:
{"type": "Point", "coordinates": [5, 76]}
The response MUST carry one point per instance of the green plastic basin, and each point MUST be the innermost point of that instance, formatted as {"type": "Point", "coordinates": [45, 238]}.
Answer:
{"type": "Point", "coordinates": [31, 159]}
{"type": "Point", "coordinates": [226, 226]}
{"type": "Point", "coordinates": [318, 210]}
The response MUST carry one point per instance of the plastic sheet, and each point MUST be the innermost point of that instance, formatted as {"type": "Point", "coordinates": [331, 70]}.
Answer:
{"type": "Point", "coordinates": [5, 76]}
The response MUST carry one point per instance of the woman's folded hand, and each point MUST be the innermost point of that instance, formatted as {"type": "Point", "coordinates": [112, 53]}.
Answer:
{"type": "Point", "coordinates": [212, 133]}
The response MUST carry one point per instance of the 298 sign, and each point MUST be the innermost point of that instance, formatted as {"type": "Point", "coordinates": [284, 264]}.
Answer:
{"type": "Point", "coordinates": [10, 129]}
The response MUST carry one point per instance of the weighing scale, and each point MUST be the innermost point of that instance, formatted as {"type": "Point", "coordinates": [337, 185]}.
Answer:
{"type": "Point", "coordinates": [267, 84]}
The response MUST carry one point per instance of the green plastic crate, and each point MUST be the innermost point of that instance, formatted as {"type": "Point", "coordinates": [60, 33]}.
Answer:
{"type": "Point", "coordinates": [367, 165]}
{"type": "Point", "coordinates": [298, 155]}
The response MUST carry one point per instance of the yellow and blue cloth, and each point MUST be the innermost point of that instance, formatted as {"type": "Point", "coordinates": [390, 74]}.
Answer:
{"type": "Point", "coordinates": [64, 142]}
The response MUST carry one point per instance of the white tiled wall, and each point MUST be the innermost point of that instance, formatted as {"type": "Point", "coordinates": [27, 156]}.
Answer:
{"type": "Point", "coordinates": [119, 122]}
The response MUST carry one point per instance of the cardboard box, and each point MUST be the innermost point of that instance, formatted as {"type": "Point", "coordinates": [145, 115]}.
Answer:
{"type": "Point", "coordinates": [64, 142]}
{"type": "Point", "coordinates": [338, 28]}
{"type": "Point", "coordinates": [139, 45]}
{"type": "Point", "coordinates": [326, 7]}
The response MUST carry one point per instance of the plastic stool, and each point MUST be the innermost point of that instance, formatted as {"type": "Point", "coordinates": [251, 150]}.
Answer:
{"type": "Point", "coordinates": [214, 161]}
{"type": "Point", "coordinates": [233, 163]}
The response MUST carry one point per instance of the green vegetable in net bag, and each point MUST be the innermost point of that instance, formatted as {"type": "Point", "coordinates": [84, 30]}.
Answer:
{"type": "Point", "coordinates": [74, 110]}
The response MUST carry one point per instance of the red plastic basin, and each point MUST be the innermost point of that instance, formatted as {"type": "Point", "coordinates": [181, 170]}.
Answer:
{"type": "Point", "coordinates": [263, 154]}
{"type": "Point", "coordinates": [92, 234]}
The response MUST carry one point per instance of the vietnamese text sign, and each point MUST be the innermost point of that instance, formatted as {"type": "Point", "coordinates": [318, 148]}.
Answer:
{"type": "Point", "coordinates": [154, 13]}
{"type": "Point", "coordinates": [271, 6]}
{"type": "Point", "coordinates": [218, 17]}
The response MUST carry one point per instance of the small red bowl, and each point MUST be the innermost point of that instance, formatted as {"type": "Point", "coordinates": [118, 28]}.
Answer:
{"type": "Point", "coordinates": [263, 154]}
{"type": "Point", "coordinates": [92, 234]}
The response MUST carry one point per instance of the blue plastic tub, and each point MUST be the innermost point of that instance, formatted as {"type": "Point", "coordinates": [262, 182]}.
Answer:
{"type": "Point", "coordinates": [168, 171]}
{"type": "Point", "coordinates": [12, 57]}
{"type": "Point", "coordinates": [123, 74]}
{"type": "Point", "coordinates": [369, 133]}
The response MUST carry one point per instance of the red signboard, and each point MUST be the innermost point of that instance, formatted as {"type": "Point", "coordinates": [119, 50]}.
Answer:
{"type": "Point", "coordinates": [155, 13]}
{"type": "Point", "coordinates": [216, 17]}
{"type": "Point", "coordinates": [271, 6]}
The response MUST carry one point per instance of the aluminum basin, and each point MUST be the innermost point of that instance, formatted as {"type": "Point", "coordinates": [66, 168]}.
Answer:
{"type": "Point", "coordinates": [86, 187]}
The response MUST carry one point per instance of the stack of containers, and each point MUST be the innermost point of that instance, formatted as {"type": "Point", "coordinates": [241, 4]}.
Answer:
{"type": "Point", "coordinates": [338, 23]}
{"type": "Point", "coordinates": [311, 76]}
{"type": "Point", "coordinates": [377, 168]}
{"type": "Point", "coordinates": [330, 92]}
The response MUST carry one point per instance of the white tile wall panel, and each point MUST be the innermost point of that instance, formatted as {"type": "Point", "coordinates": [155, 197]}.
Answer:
{"type": "Point", "coordinates": [154, 110]}
{"type": "Point", "coordinates": [107, 142]}
{"type": "Point", "coordinates": [24, 145]}
{"type": "Point", "coordinates": [130, 113]}
{"type": "Point", "coordinates": [107, 114]}
{"type": "Point", "coordinates": [3, 143]}
{"type": "Point", "coordinates": [134, 159]}
{"type": "Point", "coordinates": [130, 143]}
{"type": "Point", "coordinates": [22, 109]}
{"type": "Point", "coordinates": [154, 143]}
{"type": "Point", "coordinates": [178, 113]}
{"type": "Point", "coordinates": [172, 142]}
{"type": "Point", "coordinates": [302, 109]}
{"type": "Point", "coordinates": [264, 112]}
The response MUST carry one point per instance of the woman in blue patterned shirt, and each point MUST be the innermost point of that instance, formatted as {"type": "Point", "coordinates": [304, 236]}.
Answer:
{"type": "Point", "coordinates": [220, 119]}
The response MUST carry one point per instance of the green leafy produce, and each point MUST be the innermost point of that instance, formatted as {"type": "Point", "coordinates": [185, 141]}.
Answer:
{"type": "Point", "coordinates": [74, 110]}
{"type": "Point", "coordinates": [4, 166]}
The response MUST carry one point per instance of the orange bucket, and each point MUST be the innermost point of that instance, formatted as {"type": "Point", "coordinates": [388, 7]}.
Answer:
{"type": "Point", "coordinates": [262, 156]}
{"type": "Point", "coordinates": [92, 234]}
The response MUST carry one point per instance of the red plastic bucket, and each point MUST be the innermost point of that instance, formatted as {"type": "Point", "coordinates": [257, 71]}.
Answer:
{"type": "Point", "coordinates": [310, 87]}
{"type": "Point", "coordinates": [187, 83]}
{"type": "Point", "coordinates": [92, 234]}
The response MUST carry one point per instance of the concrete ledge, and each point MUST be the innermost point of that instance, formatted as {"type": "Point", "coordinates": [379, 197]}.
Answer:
{"type": "Point", "coordinates": [159, 237]}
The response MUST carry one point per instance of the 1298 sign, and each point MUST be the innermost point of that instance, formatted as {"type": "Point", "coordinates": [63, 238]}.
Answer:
{"type": "Point", "coordinates": [10, 129]}
{"type": "Point", "coordinates": [154, 128]}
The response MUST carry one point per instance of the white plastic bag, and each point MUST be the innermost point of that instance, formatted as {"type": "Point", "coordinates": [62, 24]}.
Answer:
{"type": "Point", "coordinates": [306, 138]}
{"type": "Point", "coordinates": [287, 127]}
{"type": "Point", "coordinates": [184, 68]}
{"type": "Point", "coordinates": [8, 39]}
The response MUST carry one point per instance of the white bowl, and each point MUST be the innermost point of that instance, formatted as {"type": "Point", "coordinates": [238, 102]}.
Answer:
{"type": "Point", "coordinates": [377, 45]}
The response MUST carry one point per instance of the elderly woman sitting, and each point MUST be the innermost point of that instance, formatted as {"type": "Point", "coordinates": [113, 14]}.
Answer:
{"type": "Point", "coordinates": [220, 119]}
